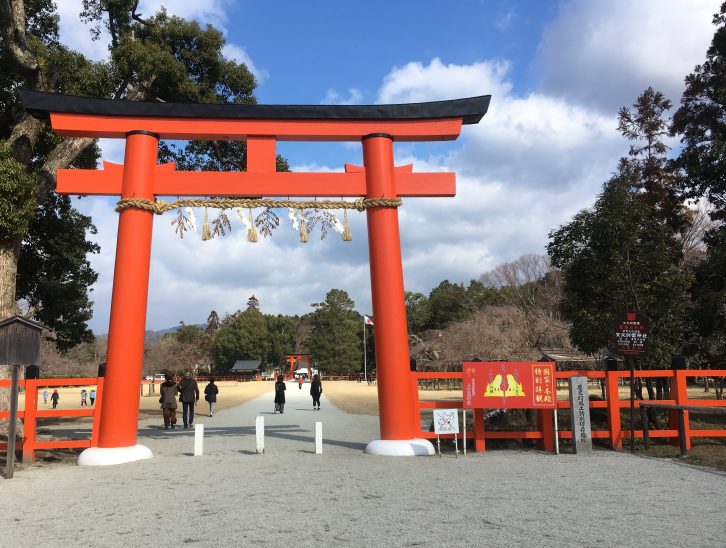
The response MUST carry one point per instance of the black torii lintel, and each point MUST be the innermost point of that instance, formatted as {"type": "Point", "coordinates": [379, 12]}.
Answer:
{"type": "Point", "coordinates": [41, 104]}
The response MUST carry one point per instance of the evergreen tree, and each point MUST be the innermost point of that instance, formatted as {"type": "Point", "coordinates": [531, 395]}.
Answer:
{"type": "Point", "coordinates": [417, 312]}
{"type": "Point", "coordinates": [335, 342]}
{"type": "Point", "coordinates": [243, 336]}
{"type": "Point", "coordinates": [281, 338]}
{"type": "Point", "coordinates": [624, 254]}
{"type": "Point", "coordinates": [701, 123]}
{"type": "Point", "coordinates": [212, 323]}
{"type": "Point", "coordinates": [253, 303]}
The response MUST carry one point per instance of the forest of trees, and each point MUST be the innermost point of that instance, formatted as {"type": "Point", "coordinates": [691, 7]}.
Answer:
{"type": "Point", "coordinates": [653, 242]}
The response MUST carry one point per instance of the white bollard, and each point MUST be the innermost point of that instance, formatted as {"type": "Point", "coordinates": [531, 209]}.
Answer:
{"type": "Point", "coordinates": [318, 438]}
{"type": "Point", "coordinates": [198, 440]}
{"type": "Point", "coordinates": [260, 433]}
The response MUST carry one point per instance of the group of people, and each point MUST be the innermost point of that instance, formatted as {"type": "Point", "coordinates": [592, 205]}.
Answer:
{"type": "Point", "coordinates": [55, 397]}
{"type": "Point", "coordinates": [316, 388]}
{"type": "Point", "coordinates": [188, 392]}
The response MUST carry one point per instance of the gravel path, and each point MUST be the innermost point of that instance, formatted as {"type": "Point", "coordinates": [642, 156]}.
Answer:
{"type": "Point", "coordinates": [291, 496]}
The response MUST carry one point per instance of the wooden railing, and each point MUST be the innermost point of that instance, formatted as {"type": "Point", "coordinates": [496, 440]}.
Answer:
{"type": "Point", "coordinates": [543, 432]}
{"type": "Point", "coordinates": [30, 415]}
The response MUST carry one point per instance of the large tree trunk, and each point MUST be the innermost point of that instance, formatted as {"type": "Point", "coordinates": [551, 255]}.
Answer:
{"type": "Point", "coordinates": [9, 253]}
{"type": "Point", "coordinates": [8, 307]}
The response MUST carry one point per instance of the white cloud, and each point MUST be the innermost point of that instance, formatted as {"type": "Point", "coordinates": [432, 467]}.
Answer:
{"type": "Point", "coordinates": [239, 54]}
{"type": "Point", "coordinates": [415, 83]}
{"type": "Point", "coordinates": [76, 34]}
{"type": "Point", "coordinates": [505, 21]}
{"type": "Point", "coordinates": [332, 97]}
{"type": "Point", "coordinates": [604, 54]}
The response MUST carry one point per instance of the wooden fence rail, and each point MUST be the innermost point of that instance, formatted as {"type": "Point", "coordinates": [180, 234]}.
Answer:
{"type": "Point", "coordinates": [544, 433]}
{"type": "Point", "coordinates": [30, 415]}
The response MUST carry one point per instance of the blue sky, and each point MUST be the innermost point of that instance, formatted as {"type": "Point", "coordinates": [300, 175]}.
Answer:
{"type": "Point", "coordinates": [557, 72]}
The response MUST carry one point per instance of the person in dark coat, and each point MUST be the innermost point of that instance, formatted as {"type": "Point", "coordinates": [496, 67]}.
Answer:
{"type": "Point", "coordinates": [54, 397]}
{"type": "Point", "coordinates": [168, 390]}
{"type": "Point", "coordinates": [188, 395]}
{"type": "Point", "coordinates": [280, 394]}
{"type": "Point", "coordinates": [210, 394]}
{"type": "Point", "coordinates": [316, 388]}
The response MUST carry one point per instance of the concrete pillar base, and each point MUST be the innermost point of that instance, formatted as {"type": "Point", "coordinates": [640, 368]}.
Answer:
{"type": "Point", "coordinates": [105, 456]}
{"type": "Point", "coordinates": [400, 448]}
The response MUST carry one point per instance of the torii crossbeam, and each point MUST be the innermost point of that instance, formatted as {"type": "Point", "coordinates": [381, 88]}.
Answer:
{"type": "Point", "coordinates": [142, 125]}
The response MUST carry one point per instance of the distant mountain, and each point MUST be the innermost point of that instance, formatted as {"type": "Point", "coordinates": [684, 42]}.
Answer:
{"type": "Point", "coordinates": [154, 336]}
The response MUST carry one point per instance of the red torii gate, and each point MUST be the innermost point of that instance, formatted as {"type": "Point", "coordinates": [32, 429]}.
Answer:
{"type": "Point", "coordinates": [302, 359]}
{"type": "Point", "coordinates": [142, 125]}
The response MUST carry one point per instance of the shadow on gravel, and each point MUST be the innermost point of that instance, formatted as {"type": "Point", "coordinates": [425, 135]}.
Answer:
{"type": "Point", "coordinates": [292, 432]}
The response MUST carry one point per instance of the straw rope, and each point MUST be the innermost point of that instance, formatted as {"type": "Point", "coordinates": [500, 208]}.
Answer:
{"type": "Point", "coordinates": [159, 206]}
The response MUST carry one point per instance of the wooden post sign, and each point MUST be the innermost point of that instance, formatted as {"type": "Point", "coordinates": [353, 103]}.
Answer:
{"type": "Point", "coordinates": [512, 385]}
{"type": "Point", "coordinates": [631, 334]}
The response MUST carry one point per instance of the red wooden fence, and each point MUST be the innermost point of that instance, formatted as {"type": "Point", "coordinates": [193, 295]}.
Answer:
{"type": "Point", "coordinates": [30, 415]}
{"type": "Point", "coordinates": [544, 431]}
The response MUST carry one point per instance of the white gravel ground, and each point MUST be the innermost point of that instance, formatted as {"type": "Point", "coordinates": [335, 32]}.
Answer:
{"type": "Point", "coordinates": [292, 497]}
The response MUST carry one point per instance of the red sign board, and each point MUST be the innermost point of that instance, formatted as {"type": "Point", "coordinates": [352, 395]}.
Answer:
{"type": "Point", "coordinates": [514, 385]}
{"type": "Point", "coordinates": [631, 334]}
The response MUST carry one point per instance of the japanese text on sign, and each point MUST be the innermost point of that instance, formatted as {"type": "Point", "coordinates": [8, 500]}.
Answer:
{"type": "Point", "coordinates": [631, 334]}
{"type": "Point", "coordinates": [515, 385]}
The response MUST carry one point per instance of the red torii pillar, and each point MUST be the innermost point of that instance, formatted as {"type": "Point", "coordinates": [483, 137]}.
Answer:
{"type": "Point", "coordinates": [143, 124]}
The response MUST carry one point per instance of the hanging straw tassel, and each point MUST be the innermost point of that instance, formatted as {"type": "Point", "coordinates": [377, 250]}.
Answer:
{"type": "Point", "coordinates": [303, 228]}
{"type": "Point", "coordinates": [347, 236]}
{"type": "Point", "coordinates": [206, 231]}
{"type": "Point", "coordinates": [251, 230]}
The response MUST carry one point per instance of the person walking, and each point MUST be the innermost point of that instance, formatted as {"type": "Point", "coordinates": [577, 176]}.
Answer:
{"type": "Point", "coordinates": [316, 388]}
{"type": "Point", "coordinates": [189, 395]}
{"type": "Point", "coordinates": [280, 394]}
{"type": "Point", "coordinates": [45, 396]}
{"type": "Point", "coordinates": [54, 397]}
{"type": "Point", "coordinates": [92, 396]}
{"type": "Point", "coordinates": [210, 394]}
{"type": "Point", "coordinates": [300, 382]}
{"type": "Point", "coordinates": [84, 396]}
{"type": "Point", "coordinates": [168, 390]}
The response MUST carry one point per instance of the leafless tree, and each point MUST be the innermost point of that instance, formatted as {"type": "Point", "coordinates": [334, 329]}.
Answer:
{"type": "Point", "coordinates": [534, 288]}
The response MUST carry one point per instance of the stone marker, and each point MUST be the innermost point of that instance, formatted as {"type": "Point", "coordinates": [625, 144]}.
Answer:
{"type": "Point", "coordinates": [580, 415]}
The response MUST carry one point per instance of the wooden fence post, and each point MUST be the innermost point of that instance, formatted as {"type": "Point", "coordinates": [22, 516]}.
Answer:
{"type": "Point", "coordinates": [97, 412]}
{"type": "Point", "coordinates": [613, 401]}
{"type": "Point", "coordinates": [479, 442]}
{"type": "Point", "coordinates": [681, 393]}
{"type": "Point", "coordinates": [29, 420]}
{"type": "Point", "coordinates": [545, 424]}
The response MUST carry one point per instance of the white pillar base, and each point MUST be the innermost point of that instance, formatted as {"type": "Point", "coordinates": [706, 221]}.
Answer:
{"type": "Point", "coordinates": [400, 448]}
{"type": "Point", "coordinates": [105, 456]}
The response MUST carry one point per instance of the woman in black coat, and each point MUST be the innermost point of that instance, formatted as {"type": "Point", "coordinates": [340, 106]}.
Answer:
{"type": "Point", "coordinates": [316, 388]}
{"type": "Point", "coordinates": [210, 394]}
{"type": "Point", "coordinates": [280, 394]}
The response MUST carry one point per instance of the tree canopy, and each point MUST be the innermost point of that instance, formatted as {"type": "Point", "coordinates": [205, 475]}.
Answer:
{"type": "Point", "coordinates": [335, 342]}
{"type": "Point", "coordinates": [155, 58]}
{"type": "Point", "coordinates": [624, 254]}
{"type": "Point", "coordinates": [701, 122]}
